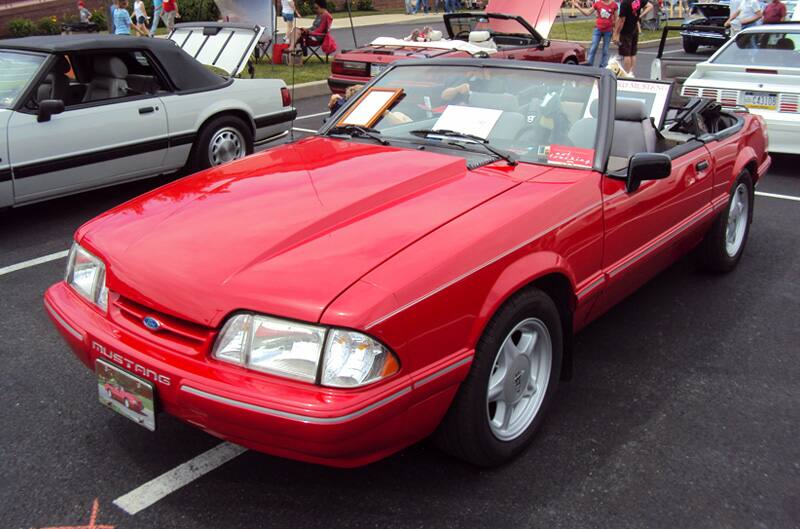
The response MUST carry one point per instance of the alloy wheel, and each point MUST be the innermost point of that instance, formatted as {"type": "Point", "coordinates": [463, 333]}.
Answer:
{"type": "Point", "coordinates": [519, 378]}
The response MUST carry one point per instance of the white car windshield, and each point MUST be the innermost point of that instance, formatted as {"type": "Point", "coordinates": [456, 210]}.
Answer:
{"type": "Point", "coordinates": [16, 71]}
{"type": "Point", "coordinates": [762, 49]}
{"type": "Point", "coordinates": [538, 116]}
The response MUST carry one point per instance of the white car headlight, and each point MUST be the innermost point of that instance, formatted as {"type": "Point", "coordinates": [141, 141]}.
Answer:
{"type": "Point", "coordinates": [295, 350]}
{"type": "Point", "coordinates": [86, 274]}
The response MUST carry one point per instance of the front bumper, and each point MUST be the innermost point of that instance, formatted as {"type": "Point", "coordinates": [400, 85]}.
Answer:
{"type": "Point", "coordinates": [282, 417]}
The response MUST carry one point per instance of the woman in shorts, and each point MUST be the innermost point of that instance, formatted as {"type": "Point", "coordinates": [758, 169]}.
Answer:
{"type": "Point", "coordinates": [140, 18]}
{"type": "Point", "coordinates": [288, 13]}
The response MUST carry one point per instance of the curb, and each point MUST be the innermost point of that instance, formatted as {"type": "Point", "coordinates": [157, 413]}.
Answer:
{"type": "Point", "coordinates": [309, 90]}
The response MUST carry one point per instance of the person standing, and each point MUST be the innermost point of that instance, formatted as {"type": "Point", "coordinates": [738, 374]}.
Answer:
{"type": "Point", "coordinates": [111, 10]}
{"type": "Point", "coordinates": [606, 14]}
{"type": "Point", "coordinates": [85, 14]}
{"type": "Point", "coordinates": [122, 19]}
{"type": "Point", "coordinates": [744, 13]}
{"type": "Point", "coordinates": [171, 12]}
{"type": "Point", "coordinates": [626, 30]}
{"type": "Point", "coordinates": [288, 13]}
{"type": "Point", "coordinates": [774, 12]}
{"type": "Point", "coordinates": [140, 18]}
{"type": "Point", "coordinates": [409, 7]}
{"type": "Point", "coordinates": [421, 5]}
{"type": "Point", "coordinates": [158, 10]}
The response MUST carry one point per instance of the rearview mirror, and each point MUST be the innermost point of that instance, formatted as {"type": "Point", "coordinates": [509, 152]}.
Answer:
{"type": "Point", "coordinates": [49, 107]}
{"type": "Point", "coordinates": [647, 166]}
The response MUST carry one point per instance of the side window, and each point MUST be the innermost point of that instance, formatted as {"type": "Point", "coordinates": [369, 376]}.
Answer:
{"type": "Point", "coordinates": [58, 83]}
{"type": "Point", "coordinates": [118, 75]}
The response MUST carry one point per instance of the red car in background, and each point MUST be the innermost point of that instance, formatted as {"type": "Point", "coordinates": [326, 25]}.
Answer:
{"type": "Point", "coordinates": [509, 37]}
{"type": "Point", "coordinates": [339, 298]}
{"type": "Point", "coordinates": [126, 398]}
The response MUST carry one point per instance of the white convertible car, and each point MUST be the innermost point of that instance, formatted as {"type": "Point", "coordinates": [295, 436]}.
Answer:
{"type": "Point", "coordinates": [81, 112]}
{"type": "Point", "coordinates": [758, 69]}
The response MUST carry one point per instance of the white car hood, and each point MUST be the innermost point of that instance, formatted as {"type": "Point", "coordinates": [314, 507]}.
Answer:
{"type": "Point", "coordinates": [541, 14]}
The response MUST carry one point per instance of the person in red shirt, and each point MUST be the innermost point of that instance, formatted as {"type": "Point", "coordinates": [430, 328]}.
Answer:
{"type": "Point", "coordinates": [170, 13]}
{"type": "Point", "coordinates": [774, 13]}
{"type": "Point", "coordinates": [606, 13]}
{"type": "Point", "coordinates": [314, 35]}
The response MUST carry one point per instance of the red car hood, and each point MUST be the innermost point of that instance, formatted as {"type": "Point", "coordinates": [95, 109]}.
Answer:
{"type": "Point", "coordinates": [539, 13]}
{"type": "Point", "coordinates": [283, 232]}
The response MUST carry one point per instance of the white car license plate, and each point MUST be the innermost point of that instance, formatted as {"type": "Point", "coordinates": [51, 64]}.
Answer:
{"type": "Point", "coordinates": [376, 69]}
{"type": "Point", "coordinates": [765, 100]}
{"type": "Point", "coordinates": [126, 394]}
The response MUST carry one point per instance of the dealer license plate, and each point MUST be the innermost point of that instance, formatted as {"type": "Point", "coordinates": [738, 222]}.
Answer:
{"type": "Point", "coordinates": [126, 394]}
{"type": "Point", "coordinates": [376, 69]}
{"type": "Point", "coordinates": [765, 100]}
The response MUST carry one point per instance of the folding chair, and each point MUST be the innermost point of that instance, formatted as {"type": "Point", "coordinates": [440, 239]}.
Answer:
{"type": "Point", "coordinates": [316, 51]}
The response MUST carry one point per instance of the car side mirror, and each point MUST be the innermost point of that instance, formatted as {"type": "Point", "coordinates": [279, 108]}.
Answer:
{"type": "Point", "coordinates": [49, 107]}
{"type": "Point", "coordinates": [647, 166]}
{"type": "Point", "coordinates": [544, 44]}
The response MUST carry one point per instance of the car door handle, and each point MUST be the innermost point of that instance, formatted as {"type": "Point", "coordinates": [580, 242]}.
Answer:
{"type": "Point", "coordinates": [146, 110]}
{"type": "Point", "coordinates": [701, 166]}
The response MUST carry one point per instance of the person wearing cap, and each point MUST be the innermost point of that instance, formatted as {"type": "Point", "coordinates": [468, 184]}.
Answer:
{"type": "Point", "coordinates": [84, 14]}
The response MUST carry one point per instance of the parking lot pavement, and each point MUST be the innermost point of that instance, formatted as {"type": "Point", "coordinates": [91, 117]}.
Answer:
{"type": "Point", "coordinates": [682, 412]}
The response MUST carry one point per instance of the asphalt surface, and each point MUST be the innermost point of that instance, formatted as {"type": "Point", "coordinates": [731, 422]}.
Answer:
{"type": "Point", "coordinates": [683, 412]}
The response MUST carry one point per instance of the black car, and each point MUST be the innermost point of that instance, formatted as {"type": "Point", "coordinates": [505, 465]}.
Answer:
{"type": "Point", "coordinates": [705, 26]}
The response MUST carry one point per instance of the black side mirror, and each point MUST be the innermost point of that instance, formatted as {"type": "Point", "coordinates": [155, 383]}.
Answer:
{"type": "Point", "coordinates": [647, 166]}
{"type": "Point", "coordinates": [49, 107]}
{"type": "Point", "coordinates": [544, 44]}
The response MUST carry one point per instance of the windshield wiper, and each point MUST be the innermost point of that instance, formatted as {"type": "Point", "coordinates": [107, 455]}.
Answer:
{"type": "Point", "coordinates": [468, 138]}
{"type": "Point", "coordinates": [358, 131]}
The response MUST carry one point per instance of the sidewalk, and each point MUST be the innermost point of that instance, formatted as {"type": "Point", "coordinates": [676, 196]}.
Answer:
{"type": "Point", "coordinates": [367, 20]}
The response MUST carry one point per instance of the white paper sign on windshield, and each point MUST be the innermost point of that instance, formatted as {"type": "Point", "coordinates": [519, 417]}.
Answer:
{"type": "Point", "coordinates": [468, 120]}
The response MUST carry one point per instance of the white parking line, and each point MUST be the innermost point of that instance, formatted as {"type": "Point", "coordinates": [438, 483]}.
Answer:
{"type": "Point", "coordinates": [656, 53]}
{"type": "Point", "coordinates": [312, 116]}
{"type": "Point", "coordinates": [774, 195]}
{"type": "Point", "coordinates": [154, 490]}
{"type": "Point", "coordinates": [298, 129]}
{"type": "Point", "coordinates": [33, 262]}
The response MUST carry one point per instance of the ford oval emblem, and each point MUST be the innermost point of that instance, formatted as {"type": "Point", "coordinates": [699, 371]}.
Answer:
{"type": "Point", "coordinates": [151, 323]}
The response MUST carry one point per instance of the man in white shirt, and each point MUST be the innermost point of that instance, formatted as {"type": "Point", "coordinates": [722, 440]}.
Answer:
{"type": "Point", "coordinates": [744, 13]}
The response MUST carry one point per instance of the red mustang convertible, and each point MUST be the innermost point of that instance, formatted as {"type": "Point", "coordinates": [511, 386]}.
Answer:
{"type": "Point", "coordinates": [419, 267]}
{"type": "Point", "coordinates": [491, 35]}
{"type": "Point", "coordinates": [115, 392]}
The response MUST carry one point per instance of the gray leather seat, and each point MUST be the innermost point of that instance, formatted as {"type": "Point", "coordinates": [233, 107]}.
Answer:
{"type": "Point", "coordinates": [109, 79]}
{"type": "Point", "coordinates": [634, 131]}
{"type": "Point", "coordinates": [583, 132]}
{"type": "Point", "coordinates": [56, 83]}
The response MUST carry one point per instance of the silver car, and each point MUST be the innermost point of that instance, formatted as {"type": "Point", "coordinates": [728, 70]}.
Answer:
{"type": "Point", "coordinates": [86, 111]}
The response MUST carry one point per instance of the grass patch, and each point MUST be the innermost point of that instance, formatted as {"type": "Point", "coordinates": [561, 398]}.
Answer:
{"type": "Point", "coordinates": [313, 70]}
{"type": "Point", "coordinates": [582, 30]}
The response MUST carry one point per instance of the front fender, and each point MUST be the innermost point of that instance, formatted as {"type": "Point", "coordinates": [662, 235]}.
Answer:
{"type": "Point", "coordinates": [517, 275]}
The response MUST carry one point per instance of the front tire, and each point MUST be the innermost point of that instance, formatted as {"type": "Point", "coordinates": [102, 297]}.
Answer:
{"type": "Point", "coordinates": [690, 46]}
{"type": "Point", "coordinates": [502, 402]}
{"type": "Point", "coordinates": [221, 140]}
{"type": "Point", "coordinates": [724, 244]}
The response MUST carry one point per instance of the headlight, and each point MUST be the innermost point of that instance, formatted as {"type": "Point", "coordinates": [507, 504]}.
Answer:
{"type": "Point", "coordinates": [86, 274]}
{"type": "Point", "coordinates": [295, 350]}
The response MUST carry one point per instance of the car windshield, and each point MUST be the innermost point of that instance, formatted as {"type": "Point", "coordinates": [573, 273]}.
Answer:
{"type": "Point", "coordinates": [16, 71]}
{"type": "Point", "coordinates": [462, 25]}
{"type": "Point", "coordinates": [762, 49]}
{"type": "Point", "coordinates": [538, 116]}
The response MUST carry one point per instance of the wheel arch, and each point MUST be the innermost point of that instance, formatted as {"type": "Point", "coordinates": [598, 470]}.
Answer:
{"type": "Point", "coordinates": [553, 276]}
{"type": "Point", "coordinates": [236, 112]}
